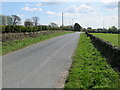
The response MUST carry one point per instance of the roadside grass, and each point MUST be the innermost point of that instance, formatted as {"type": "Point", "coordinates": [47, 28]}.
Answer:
{"type": "Point", "coordinates": [8, 47]}
{"type": "Point", "coordinates": [89, 69]}
{"type": "Point", "coordinates": [112, 38]}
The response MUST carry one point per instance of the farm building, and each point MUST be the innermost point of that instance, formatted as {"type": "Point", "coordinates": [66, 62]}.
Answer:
{"type": "Point", "coordinates": [28, 22]}
{"type": "Point", "coordinates": [6, 20]}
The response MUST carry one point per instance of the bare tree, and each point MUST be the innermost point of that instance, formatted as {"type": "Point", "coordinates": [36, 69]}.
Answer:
{"type": "Point", "coordinates": [35, 20]}
{"type": "Point", "coordinates": [16, 19]}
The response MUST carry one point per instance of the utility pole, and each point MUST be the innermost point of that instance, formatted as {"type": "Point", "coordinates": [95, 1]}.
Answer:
{"type": "Point", "coordinates": [72, 22]}
{"type": "Point", "coordinates": [62, 20]}
{"type": "Point", "coordinates": [103, 23]}
{"type": "Point", "coordinates": [87, 25]}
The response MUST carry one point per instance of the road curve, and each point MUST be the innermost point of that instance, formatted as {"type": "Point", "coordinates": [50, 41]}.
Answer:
{"type": "Point", "coordinates": [39, 65]}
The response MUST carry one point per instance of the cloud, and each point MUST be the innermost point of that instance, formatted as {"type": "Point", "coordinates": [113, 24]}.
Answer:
{"type": "Point", "coordinates": [83, 8]}
{"type": "Point", "coordinates": [48, 3]}
{"type": "Point", "coordinates": [59, 0]}
{"type": "Point", "coordinates": [108, 1]}
{"type": "Point", "coordinates": [21, 15]}
{"type": "Point", "coordinates": [110, 4]}
{"type": "Point", "coordinates": [53, 13]}
{"type": "Point", "coordinates": [114, 17]}
{"type": "Point", "coordinates": [105, 1]}
{"type": "Point", "coordinates": [27, 5]}
{"type": "Point", "coordinates": [31, 9]}
{"type": "Point", "coordinates": [58, 14]}
{"type": "Point", "coordinates": [72, 9]}
{"type": "Point", "coordinates": [50, 13]}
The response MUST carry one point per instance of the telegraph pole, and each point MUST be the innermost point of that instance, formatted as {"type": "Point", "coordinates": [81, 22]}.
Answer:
{"type": "Point", "coordinates": [72, 22]}
{"type": "Point", "coordinates": [87, 25]}
{"type": "Point", "coordinates": [62, 20]}
{"type": "Point", "coordinates": [103, 23]}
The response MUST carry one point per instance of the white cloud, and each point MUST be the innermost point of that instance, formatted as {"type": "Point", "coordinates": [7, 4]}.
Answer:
{"type": "Point", "coordinates": [108, 1]}
{"type": "Point", "coordinates": [21, 15]}
{"type": "Point", "coordinates": [72, 9]}
{"type": "Point", "coordinates": [55, 0]}
{"type": "Point", "coordinates": [86, 9]}
{"type": "Point", "coordinates": [58, 14]}
{"type": "Point", "coordinates": [97, 21]}
{"type": "Point", "coordinates": [50, 13]}
{"type": "Point", "coordinates": [110, 4]}
{"type": "Point", "coordinates": [39, 4]}
{"type": "Point", "coordinates": [105, 1]}
{"type": "Point", "coordinates": [27, 5]}
{"type": "Point", "coordinates": [53, 13]}
{"type": "Point", "coordinates": [31, 9]}
{"type": "Point", "coordinates": [114, 18]}
{"type": "Point", "coordinates": [83, 8]}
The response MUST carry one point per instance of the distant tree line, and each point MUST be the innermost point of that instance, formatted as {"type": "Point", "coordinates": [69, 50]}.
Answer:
{"type": "Point", "coordinates": [33, 26]}
{"type": "Point", "coordinates": [112, 29]}
{"type": "Point", "coordinates": [20, 28]}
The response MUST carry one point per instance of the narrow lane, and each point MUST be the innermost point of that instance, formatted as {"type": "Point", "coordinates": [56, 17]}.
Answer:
{"type": "Point", "coordinates": [39, 65]}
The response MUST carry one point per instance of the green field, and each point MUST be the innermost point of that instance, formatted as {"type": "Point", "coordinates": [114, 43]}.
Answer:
{"type": "Point", "coordinates": [18, 44]}
{"type": "Point", "coordinates": [89, 69]}
{"type": "Point", "coordinates": [112, 38]}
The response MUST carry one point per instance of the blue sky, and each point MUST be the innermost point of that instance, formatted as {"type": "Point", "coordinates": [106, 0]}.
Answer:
{"type": "Point", "coordinates": [85, 13]}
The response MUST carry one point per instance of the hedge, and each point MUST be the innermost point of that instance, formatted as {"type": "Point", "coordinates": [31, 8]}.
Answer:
{"type": "Point", "coordinates": [18, 29]}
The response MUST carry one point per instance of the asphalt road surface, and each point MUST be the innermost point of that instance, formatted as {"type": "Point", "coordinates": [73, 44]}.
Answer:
{"type": "Point", "coordinates": [39, 65]}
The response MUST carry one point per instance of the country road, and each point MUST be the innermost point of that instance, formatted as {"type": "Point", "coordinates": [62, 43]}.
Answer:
{"type": "Point", "coordinates": [40, 65]}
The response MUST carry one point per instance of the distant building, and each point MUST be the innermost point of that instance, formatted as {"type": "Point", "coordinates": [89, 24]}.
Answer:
{"type": "Point", "coordinates": [28, 22]}
{"type": "Point", "coordinates": [5, 20]}
{"type": "Point", "coordinates": [52, 24]}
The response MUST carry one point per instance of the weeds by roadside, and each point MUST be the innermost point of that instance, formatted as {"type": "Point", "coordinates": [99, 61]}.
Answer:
{"type": "Point", "coordinates": [18, 44]}
{"type": "Point", "coordinates": [89, 69]}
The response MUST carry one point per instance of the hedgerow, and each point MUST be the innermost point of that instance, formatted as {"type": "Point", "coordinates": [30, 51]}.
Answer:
{"type": "Point", "coordinates": [18, 29]}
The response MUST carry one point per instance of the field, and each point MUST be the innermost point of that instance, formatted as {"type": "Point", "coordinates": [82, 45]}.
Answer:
{"type": "Point", "coordinates": [112, 38]}
{"type": "Point", "coordinates": [18, 44]}
{"type": "Point", "coordinates": [89, 69]}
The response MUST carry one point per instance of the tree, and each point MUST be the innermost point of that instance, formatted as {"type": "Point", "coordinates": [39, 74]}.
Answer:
{"type": "Point", "coordinates": [35, 20]}
{"type": "Point", "coordinates": [52, 24]}
{"type": "Point", "coordinates": [77, 27]}
{"type": "Point", "coordinates": [112, 29]}
{"type": "Point", "coordinates": [89, 28]}
{"type": "Point", "coordinates": [16, 19]}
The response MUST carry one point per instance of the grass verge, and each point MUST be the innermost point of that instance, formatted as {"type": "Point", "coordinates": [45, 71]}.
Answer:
{"type": "Point", "coordinates": [8, 47]}
{"type": "Point", "coordinates": [112, 38]}
{"type": "Point", "coordinates": [89, 69]}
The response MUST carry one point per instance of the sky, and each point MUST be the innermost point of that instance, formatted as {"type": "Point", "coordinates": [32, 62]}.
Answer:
{"type": "Point", "coordinates": [95, 14]}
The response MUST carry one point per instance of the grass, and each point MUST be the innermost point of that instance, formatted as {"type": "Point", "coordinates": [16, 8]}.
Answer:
{"type": "Point", "coordinates": [8, 47]}
{"type": "Point", "coordinates": [112, 38]}
{"type": "Point", "coordinates": [89, 69]}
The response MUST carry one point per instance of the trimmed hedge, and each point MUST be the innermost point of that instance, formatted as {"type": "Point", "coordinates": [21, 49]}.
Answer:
{"type": "Point", "coordinates": [112, 53]}
{"type": "Point", "coordinates": [18, 29]}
